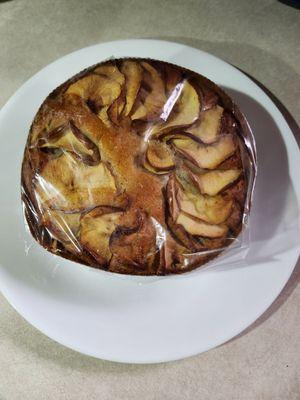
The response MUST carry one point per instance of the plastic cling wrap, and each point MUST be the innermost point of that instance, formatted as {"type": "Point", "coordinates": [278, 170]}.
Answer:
{"type": "Point", "coordinates": [139, 167]}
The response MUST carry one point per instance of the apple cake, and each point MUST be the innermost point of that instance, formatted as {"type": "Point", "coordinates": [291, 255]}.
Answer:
{"type": "Point", "coordinates": [138, 166]}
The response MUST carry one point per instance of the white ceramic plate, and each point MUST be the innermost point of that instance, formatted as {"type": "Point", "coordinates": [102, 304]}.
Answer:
{"type": "Point", "coordinates": [146, 320]}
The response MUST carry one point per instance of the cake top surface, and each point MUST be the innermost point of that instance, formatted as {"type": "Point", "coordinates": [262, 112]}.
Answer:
{"type": "Point", "coordinates": [136, 166]}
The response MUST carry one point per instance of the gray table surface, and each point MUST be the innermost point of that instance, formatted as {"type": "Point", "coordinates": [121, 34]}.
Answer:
{"type": "Point", "coordinates": [262, 38]}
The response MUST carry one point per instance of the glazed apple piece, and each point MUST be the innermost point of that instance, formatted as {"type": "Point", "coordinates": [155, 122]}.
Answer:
{"type": "Point", "coordinates": [133, 76]}
{"type": "Point", "coordinates": [153, 170]}
{"type": "Point", "coordinates": [183, 196]}
{"type": "Point", "coordinates": [112, 72]}
{"type": "Point", "coordinates": [102, 114]}
{"type": "Point", "coordinates": [213, 210]}
{"type": "Point", "coordinates": [209, 97]}
{"type": "Point", "coordinates": [96, 90]}
{"type": "Point", "coordinates": [111, 113]}
{"type": "Point", "coordinates": [68, 137]}
{"type": "Point", "coordinates": [173, 78]}
{"type": "Point", "coordinates": [66, 184]}
{"type": "Point", "coordinates": [213, 182]}
{"type": "Point", "coordinates": [168, 136]}
{"type": "Point", "coordinates": [66, 141]}
{"type": "Point", "coordinates": [96, 228]}
{"type": "Point", "coordinates": [172, 189]}
{"type": "Point", "coordinates": [181, 109]}
{"type": "Point", "coordinates": [139, 111]}
{"type": "Point", "coordinates": [172, 212]}
{"type": "Point", "coordinates": [172, 255]}
{"type": "Point", "coordinates": [63, 227]}
{"type": "Point", "coordinates": [115, 110]}
{"type": "Point", "coordinates": [159, 156]}
{"type": "Point", "coordinates": [207, 128]}
{"type": "Point", "coordinates": [200, 228]}
{"type": "Point", "coordinates": [153, 103]}
{"type": "Point", "coordinates": [94, 153]}
{"type": "Point", "coordinates": [207, 156]}
{"type": "Point", "coordinates": [133, 245]}
{"type": "Point", "coordinates": [182, 237]}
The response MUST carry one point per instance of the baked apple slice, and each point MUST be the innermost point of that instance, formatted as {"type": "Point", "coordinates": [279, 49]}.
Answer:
{"type": "Point", "coordinates": [209, 97]}
{"type": "Point", "coordinates": [66, 184]}
{"type": "Point", "coordinates": [134, 246]}
{"type": "Point", "coordinates": [112, 72]}
{"type": "Point", "coordinates": [172, 212]}
{"type": "Point", "coordinates": [160, 156]}
{"type": "Point", "coordinates": [211, 209]}
{"type": "Point", "coordinates": [153, 170]}
{"type": "Point", "coordinates": [96, 228]}
{"type": "Point", "coordinates": [112, 112]}
{"type": "Point", "coordinates": [180, 110]}
{"type": "Point", "coordinates": [115, 110]}
{"type": "Point", "coordinates": [67, 141]}
{"type": "Point", "coordinates": [68, 137]}
{"type": "Point", "coordinates": [103, 115]}
{"type": "Point", "coordinates": [213, 182]}
{"type": "Point", "coordinates": [63, 227]}
{"type": "Point", "coordinates": [153, 103]}
{"type": "Point", "coordinates": [133, 77]}
{"type": "Point", "coordinates": [173, 78]}
{"type": "Point", "coordinates": [96, 90]}
{"type": "Point", "coordinates": [172, 255]}
{"type": "Point", "coordinates": [207, 156]}
{"type": "Point", "coordinates": [172, 189]}
{"type": "Point", "coordinates": [168, 136]}
{"type": "Point", "coordinates": [207, 128]}
{"type": "Point", "coordinates": [199, 228]}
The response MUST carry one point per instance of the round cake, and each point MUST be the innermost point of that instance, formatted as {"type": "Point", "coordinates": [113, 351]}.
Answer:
{"type": "Point", "coordinates": [139, 167]}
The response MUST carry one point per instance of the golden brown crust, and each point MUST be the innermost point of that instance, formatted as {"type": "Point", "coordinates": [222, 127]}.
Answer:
{"type": "Point", "coordinates": [89, 190]}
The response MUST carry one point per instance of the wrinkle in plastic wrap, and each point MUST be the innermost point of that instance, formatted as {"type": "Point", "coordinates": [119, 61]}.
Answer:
{"type": "Point", "coordinates": [139, 167]}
